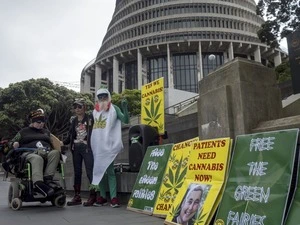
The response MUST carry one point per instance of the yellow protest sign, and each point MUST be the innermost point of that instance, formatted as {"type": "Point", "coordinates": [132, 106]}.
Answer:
{"type": "Point", "coordinates": [174, 177]}
{"type": "Point", "coordinates": [200, 194]}
{"type": "Point", "coordinates": [152, 105]}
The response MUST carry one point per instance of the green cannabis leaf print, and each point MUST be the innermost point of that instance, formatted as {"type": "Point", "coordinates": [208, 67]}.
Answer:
{"type": "Point", "coordinates": [152, 114]}
{"type": "Point", "coordinates": [100, 122]}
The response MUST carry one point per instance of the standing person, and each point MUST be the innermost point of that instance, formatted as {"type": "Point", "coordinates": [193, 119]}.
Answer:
{"type": "Point", "coordinates": [3, 148]}
{"type": "Point", "coordinates": [106, 143]}
{"type": "Point", "coordinates": [189, 206]}
{"type": "Point", "coordinates": [79, 140]}
{"type": "Point", "coordinates": [37, 137]}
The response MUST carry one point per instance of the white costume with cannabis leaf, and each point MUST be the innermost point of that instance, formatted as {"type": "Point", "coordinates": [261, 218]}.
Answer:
{"type": "Point", "coordinates": [106, 141]}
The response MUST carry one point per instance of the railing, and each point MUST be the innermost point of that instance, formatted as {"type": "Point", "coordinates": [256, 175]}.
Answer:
{"type": "Point", "coordinates": [179, 106]}
{"type": "Point", "coordinates": [171, 110]}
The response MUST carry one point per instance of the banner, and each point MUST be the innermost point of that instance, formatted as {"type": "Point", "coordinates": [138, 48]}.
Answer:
{"type": "Point", "coordinates": [259, 181]}
{"type": "Point", "coordinates": [153, 105]}
{"type": "Point", "coordinates": [147, 184]}
{"type": "Point", "coordinates": [294, 215]}
{"type": "Point", "coordinates": [199, 197]}
{"type": "Point", "coordinates": [174, 177]}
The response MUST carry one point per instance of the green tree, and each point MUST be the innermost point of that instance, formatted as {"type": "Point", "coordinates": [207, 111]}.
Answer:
{"type": "Point", "coordinates": [19, 99]}
{"type": "Point", "coordinates": [282, 17]}
{"type": "Point", "coordinates": [134, 100]}
{"type": "Point", "coordinates": [283, 72]}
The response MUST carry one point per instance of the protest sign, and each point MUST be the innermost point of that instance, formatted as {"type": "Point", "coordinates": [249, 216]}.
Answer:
{"type": "Point", "coordinates": [198, 198]}
{"type": "Point", "coordinates": [148, 181]}
{"type": "Point", "coordinates": [294, 215]}
{"type": "Point", "coordinates": [153, 105]}
{"type": "Point", "coordinates": [259, 181]}
{"type": "Point", "coordinates": [174, 177]}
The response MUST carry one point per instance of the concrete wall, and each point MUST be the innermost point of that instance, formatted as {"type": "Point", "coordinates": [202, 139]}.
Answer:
{"type": "Point", "coordinates": [190, 109]}
{"type": "Point", "coordinates": [181, 128]}
{"type": "Point", "coordinates": [291, 106]}
{"type": "Point", "coordinates": [175, 96]}
{"type": "Point", "coordinates": [278, 124]}
{"type": "Point", "coordinates": [236, 97]}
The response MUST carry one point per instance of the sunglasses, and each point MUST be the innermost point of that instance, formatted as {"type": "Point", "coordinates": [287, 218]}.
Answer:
{"type": "Point", "coordinates": [40, 121]}
{"type": "Point", "coordinates": [102, 97]}
{"type": "Point", "coordinates": [77, 106]}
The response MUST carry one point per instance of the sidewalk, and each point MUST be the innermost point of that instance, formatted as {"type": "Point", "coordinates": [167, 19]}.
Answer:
{"type": "Point", "coordinates": [37, 213]}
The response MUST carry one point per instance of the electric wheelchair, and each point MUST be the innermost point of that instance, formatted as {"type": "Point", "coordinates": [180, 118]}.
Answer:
{"type": "Point", "coordinates": [21, 188]}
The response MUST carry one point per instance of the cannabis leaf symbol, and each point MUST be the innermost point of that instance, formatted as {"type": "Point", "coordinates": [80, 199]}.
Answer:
{"type": "Point", "coordinates": [152, 114]}
{"type": "Point", "coordinates": [174, 211]}
{"type": "Point", "coordinates": [176, 180]}
{"type": "Point", "coordinates": [200, 218]}
{"type": "Point", "coordinates": [100, 123]}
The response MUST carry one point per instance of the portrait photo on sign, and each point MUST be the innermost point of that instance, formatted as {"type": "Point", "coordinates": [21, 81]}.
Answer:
{"type": "Point", "coordinates": [190, 208]}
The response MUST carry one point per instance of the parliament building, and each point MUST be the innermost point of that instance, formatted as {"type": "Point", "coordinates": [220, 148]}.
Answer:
{"type": "Point", "coordinates": [180, 40]}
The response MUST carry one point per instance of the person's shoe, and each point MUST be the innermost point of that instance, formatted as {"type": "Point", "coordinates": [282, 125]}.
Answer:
{"type": "Point", "coordinates": [115, 203]}
{"type": "Point", "coordinates": [92, 199]}
{"type": "Point", "coordinates": [48, 180]}
{"type": "Point", "coordinates": [90, 202]}
{"type": "Point", "coordinates": [101, 201]}
{"type": "Point", "coordinates": [44, 189]}
{"type": "Point", "coordinates": [76, 200]}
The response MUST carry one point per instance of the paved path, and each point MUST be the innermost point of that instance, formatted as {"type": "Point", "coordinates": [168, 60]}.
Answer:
{"type": "Point", "coordinates": [46, 214]}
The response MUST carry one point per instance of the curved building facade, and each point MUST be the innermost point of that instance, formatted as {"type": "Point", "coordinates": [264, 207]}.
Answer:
{"type": "Point", "coordinates": [180, 40]}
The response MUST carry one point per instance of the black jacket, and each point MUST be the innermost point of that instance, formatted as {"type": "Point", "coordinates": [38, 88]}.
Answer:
{"type": "Point", "coordinates": [88, 120]}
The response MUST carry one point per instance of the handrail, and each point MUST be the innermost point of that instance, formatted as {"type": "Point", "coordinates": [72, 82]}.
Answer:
{"type": "Point", "coordinates": [178, 106]}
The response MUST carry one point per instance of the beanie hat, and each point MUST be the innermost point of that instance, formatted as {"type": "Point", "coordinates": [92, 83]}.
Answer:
{"type": "Point", "coordinates": [103, 91]}
{"type": "Point", "coordinates": [37, 115]}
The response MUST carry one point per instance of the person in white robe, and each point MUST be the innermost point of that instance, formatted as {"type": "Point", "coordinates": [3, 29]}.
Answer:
{"type": "Point", "coordinates": [106, 144]}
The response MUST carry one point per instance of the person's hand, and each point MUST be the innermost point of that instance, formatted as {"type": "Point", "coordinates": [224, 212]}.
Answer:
{"type": "Point", "coordinates": [124, 103]}
{"type": "Point", "coordinates": [63, 149]}
{"type": "Point", "coordinates": [16, 145]}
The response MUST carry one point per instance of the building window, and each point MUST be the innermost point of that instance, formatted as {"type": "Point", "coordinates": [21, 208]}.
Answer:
{"type": "Point", "coordinates": [110, 81]}
{"type": "Point", "coordinates": [120, 84]}
{"type": "Point", "coordinates": [210, 63]}
{"type": "Point", "coordinates": [156, 68]}
{"type": "Point", "coordinates": [131, 81]}
{"type": "Point", "coordinates": [240, 55]}
{"type": "Point", "coordinates": [104, 76]}
{"type": "Point", "coordinates": [185, 72]}
{"type": "Point", "coordinates": [92, 83]}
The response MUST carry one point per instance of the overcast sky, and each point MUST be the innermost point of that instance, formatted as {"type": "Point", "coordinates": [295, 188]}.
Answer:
{"type": "Point", "coordinates": [50, 38]}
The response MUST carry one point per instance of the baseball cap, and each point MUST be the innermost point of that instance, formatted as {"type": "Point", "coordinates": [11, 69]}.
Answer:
{"type": "Point", "coordinates": [79, 101]}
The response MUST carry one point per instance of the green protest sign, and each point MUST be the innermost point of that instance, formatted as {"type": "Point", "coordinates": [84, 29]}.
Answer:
{"type": "Point", "coordinates": [294, 215]}
{"type": "Point", "coordinates": [147, 184]}
{"type": "Point", "coordinates": [258, 185]}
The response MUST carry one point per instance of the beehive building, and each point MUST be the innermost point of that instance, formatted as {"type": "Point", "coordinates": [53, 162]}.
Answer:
{"type": "Point", "coordinates": [180, 40]}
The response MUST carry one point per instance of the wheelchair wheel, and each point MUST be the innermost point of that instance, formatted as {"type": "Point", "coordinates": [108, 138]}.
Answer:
{"type": "Point", "coordinates": [59, 201]}
{"type": "Point", "coordinates": [16, 204]}
{"type": "Point", "coordinates": [13, 192]}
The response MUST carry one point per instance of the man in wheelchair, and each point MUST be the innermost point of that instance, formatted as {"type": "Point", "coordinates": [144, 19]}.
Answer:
{"type": "Point", "coordinates": [33, 145]}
